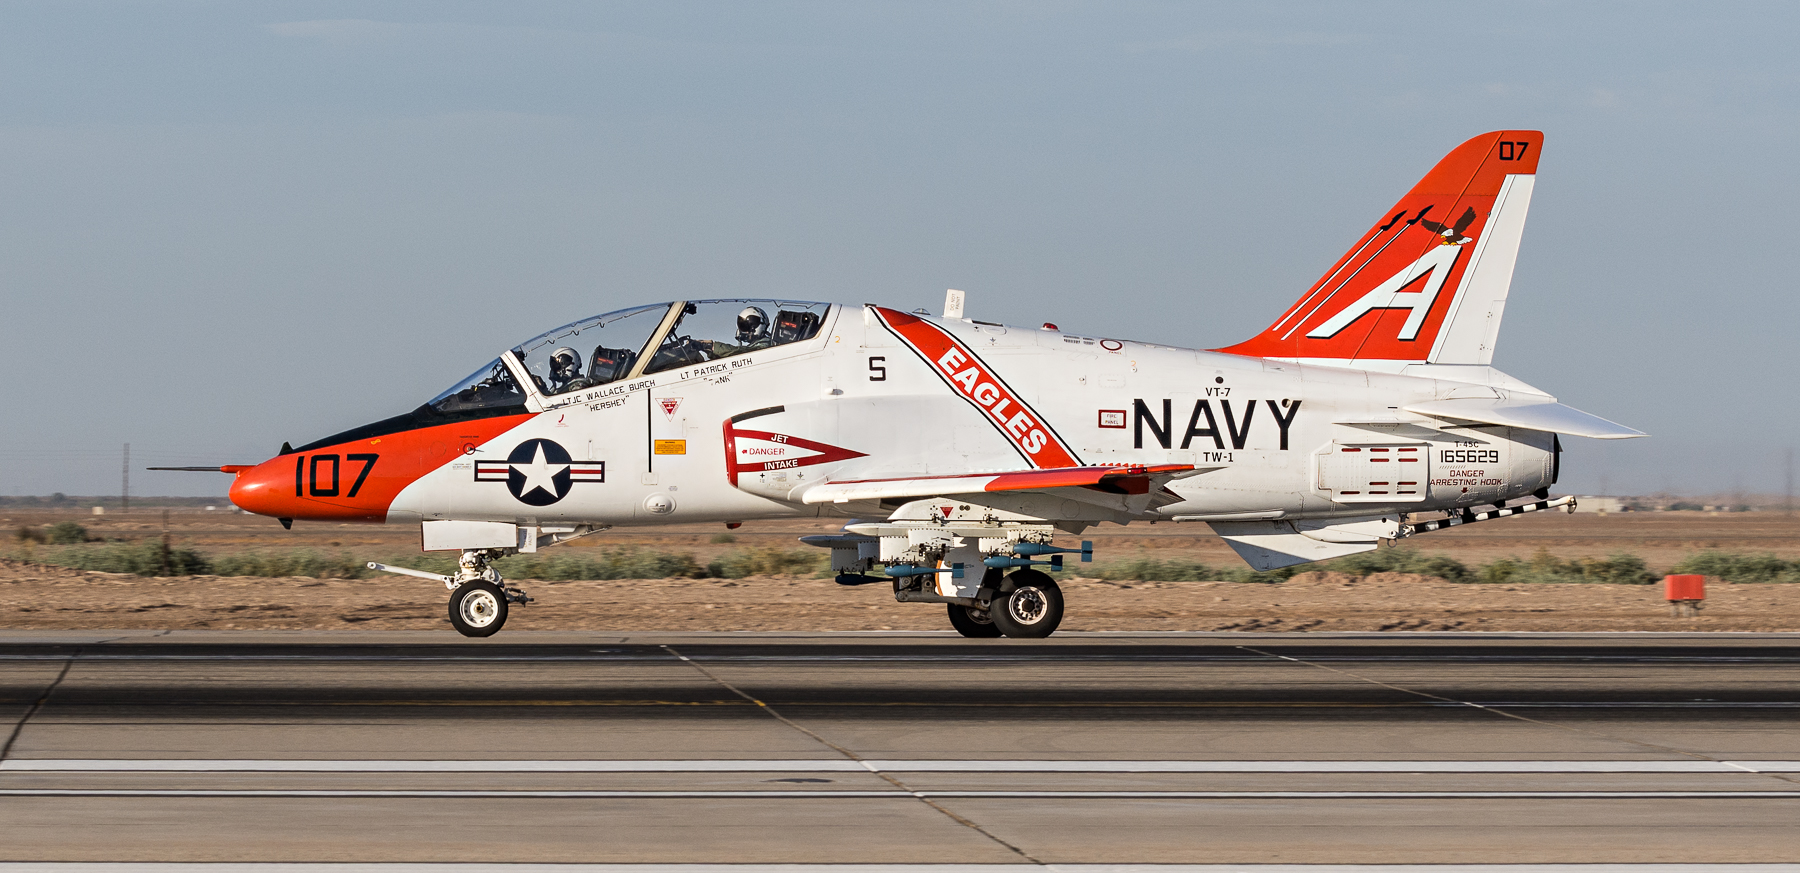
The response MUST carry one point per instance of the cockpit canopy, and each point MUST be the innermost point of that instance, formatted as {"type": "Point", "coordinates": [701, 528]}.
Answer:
{"type": "Point", "coordinates": [636, 342]}
{"type": "Point", "coordinates": [592, 351]}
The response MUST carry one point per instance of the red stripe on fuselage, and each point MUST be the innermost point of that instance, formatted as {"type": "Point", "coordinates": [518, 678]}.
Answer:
{"type": "Point", "coordinates": [977, 383]}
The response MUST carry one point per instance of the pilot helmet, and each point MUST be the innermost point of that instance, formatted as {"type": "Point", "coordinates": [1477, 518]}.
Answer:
{"type": "Point", "coordinates": [753, 323]}
{"type": "Point", "coordinates": [564, 364]}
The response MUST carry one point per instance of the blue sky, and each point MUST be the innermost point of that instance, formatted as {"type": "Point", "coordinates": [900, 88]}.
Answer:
{"type": "Point", "coordinates": [226, 225]}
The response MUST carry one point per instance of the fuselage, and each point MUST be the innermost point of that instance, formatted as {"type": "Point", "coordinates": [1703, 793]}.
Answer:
{"type": "Point", "coordinates": [740, 433]}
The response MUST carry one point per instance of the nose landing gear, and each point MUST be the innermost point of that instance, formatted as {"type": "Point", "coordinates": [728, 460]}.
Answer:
{"type": "Point", "coordinates": [479, 598]}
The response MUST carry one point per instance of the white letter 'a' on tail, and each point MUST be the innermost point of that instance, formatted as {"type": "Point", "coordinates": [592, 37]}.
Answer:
{"type": "Point", "coordinates": [1435, 266]}
{"type": "Point", "coordinates": [1428, 281]}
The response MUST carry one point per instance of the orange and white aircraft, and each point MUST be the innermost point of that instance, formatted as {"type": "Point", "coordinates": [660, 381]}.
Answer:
{"type": "Point", "coordinates": [960, 449]}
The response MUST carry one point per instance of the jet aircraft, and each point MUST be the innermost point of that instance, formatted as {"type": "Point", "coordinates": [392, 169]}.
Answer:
{"type": "Point", "coordinates": [959, 450]}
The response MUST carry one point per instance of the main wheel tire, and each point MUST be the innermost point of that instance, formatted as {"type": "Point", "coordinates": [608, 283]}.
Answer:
{"type": "Point", "coordinates": [478, 609]}
{"type": "Point", "coordinates": [972, 622]}
{"type": "Point", "coordinates": [1031, 609]}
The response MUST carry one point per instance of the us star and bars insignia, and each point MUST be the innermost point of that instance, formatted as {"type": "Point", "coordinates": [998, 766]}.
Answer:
{"type": "Point", "coordinates": [540, 472]}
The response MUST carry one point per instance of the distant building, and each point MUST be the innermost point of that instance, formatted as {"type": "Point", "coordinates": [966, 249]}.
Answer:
{"type": "Point", "coordinates": [1589, 503]}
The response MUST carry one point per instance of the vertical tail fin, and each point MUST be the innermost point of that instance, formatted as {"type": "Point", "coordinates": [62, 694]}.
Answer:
{"type": "Point", "coordinates": [1428, 282]}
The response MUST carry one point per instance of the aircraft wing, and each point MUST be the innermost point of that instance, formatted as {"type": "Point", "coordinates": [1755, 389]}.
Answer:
{"type": "Point", "coordinates": [1124, 480]}
{"type": "Point", "coordinates": [1533, 414]}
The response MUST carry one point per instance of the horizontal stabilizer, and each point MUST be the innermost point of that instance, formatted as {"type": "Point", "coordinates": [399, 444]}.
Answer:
{"type": "Point", "coordinates": [1533, 414]}
{"type": "Point", "coordinates": [1132, 479]}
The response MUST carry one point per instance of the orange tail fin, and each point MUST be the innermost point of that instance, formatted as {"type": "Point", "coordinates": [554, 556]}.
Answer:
{"type": "Point", "coordinates": [1428, 282]}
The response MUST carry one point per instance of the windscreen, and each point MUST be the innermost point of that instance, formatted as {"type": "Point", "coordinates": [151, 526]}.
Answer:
{"type": "Point", "coordinates": [487, 388]}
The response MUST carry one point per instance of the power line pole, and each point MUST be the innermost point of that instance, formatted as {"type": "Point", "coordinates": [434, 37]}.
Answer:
{"type": "Point", "coordinates": [125, 482]}
{"type": "Point", "coordinates": [1787, 504]}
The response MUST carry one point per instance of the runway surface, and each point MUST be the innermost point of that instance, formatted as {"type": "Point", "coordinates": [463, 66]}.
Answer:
{"type": "Point", "coordinates": [897, 749]}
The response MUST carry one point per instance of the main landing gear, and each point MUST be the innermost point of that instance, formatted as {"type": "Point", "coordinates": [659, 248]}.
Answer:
{"type": "Point", "coordinates": [1030, 608]}
{"type": "Point", "coordinates": [973, 621]}
{"type": "Point", "coordinates": [1029, 605]}
{"type": "Point", "coordinates": [985, 568]}
{"type": "Point", "coordinates": [479, 598]}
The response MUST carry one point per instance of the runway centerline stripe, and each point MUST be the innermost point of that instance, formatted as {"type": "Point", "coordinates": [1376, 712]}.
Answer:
{"type": "Point", "coordinates": [831, 765]}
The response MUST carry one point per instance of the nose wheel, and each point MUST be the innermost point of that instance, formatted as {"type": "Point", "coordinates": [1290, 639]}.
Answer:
{"type": "Point", "coordinates": [478, 609]}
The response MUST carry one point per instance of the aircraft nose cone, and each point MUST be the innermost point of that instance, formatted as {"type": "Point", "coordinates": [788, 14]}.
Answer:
{"type": "Point", "coordinates": [266, 489]}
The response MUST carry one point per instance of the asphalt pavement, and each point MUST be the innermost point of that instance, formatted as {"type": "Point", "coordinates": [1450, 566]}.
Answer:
{"type": "Point", "coordinates": [898, 748]}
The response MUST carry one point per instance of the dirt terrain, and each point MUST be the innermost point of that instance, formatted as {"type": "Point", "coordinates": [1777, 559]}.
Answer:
{"type": "Point", "coordinates": [33, 596]}
{"type": "Point", "coordinates": [1660, 538]}
{"type": "Point", "coordinates": [37, 596]}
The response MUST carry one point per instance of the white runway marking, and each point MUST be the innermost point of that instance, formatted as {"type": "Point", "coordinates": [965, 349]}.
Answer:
{"type": "Point", "coordinates": [839, 765]}
{"type": "Point", "coordinates": [848, 794]}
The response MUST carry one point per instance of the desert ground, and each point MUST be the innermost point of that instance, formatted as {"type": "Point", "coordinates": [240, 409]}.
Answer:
{"type": "Point", "coordinates": [39, 596]}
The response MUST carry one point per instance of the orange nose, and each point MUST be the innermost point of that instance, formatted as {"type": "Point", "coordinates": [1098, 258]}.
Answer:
{"type": "Point", "coordinates": [267, 489]}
